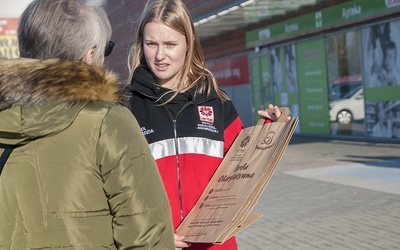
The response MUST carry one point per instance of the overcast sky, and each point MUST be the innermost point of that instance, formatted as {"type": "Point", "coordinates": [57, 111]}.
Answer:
{"type": "Point", "coordinates": [12, 8]}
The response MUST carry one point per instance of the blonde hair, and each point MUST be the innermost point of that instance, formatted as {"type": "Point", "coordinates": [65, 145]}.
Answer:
{"type": "Point", "coordinates": [194, 73]}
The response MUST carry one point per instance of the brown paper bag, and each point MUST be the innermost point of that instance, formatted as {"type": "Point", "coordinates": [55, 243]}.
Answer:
{"type": "Point", "coordinates": [225, 207]}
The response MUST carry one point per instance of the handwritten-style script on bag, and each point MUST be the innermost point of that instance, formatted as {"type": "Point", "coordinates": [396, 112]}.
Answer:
{"type": "Point", "coordinates": [226, 205]}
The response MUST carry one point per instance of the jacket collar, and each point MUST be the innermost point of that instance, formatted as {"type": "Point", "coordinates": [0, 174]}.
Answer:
{"type": "Point", "coordinates": [144, 83]}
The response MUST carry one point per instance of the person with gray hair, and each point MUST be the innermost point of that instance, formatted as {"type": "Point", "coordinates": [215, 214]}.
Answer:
{"type": "Point", "coordinates": [69, 30]}
{"type": "Point", "coordinates": [77, 172]}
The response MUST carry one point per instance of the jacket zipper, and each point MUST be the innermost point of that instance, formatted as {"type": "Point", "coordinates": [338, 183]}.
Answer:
{"type": "Point", "coordinates": [178, 169]}
{"type": "Point", "coordinates": [178, 166]}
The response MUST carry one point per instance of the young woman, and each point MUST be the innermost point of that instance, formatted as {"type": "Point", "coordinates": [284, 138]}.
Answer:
{"type": "Point", "coordinates": [187, 120]}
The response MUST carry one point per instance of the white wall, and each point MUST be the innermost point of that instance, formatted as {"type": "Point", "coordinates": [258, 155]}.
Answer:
{"type": "Point", "coordinates": [12, 8]}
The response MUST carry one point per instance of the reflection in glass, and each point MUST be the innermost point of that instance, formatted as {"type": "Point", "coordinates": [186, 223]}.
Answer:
{"type": "Point", "coordinates": [346, 99]}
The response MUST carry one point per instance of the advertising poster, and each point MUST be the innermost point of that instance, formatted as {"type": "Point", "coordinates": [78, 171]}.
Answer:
{"type": "Point", "coordinates": [8, 38]}
{"type": "Point", "coordinates": [266, 82]}
{"type": "Point", "coordinates": [383, 119]}
{"type": "Point", "coordinates": [260, 83]}
{"type": "Point", "coordinates": [291, 68]}
{"type": "Point", "coordinates": [381, 57]}
{"type": "Point", "coordinates": [284, 80]}
{"type": "Point", "coordinates": [290, 61]}
{"type": "Point", "coordinates": [312, 78]}
{"type": "Point", "coordinates": [275, 63]}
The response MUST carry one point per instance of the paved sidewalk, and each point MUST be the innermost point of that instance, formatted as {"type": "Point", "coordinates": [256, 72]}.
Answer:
{"type": "Point", "coordinates": [341, 195]}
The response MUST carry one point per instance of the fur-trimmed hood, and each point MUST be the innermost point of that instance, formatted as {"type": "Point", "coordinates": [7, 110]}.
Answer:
{"type": "Point", "coordinates": [31, 81]}
{"type": "Point", "coordinates": [42, 97]}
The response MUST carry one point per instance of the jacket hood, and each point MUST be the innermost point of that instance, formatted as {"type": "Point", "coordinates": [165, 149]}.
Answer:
{"type": "Point", "coordinates": [144, 83]}
{"type": "Point", "coordinates": [42, 97]}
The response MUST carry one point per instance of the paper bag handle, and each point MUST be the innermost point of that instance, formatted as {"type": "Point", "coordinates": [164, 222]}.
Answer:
{"type": "Point", "coordinates": [285, 113]}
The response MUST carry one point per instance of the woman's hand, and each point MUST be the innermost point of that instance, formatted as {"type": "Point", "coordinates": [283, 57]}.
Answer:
{"type": "Point", "coordinates": [272, 114]}
{"type": "Point", "coordinates": [179, 243]}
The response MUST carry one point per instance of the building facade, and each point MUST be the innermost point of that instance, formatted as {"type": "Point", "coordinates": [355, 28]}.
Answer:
{"type": "Point", "coordinates": [336, 64]}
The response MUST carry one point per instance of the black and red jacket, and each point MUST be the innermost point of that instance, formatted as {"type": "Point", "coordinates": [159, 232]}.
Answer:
{"type": "Point", "coordinates": [188, 138]}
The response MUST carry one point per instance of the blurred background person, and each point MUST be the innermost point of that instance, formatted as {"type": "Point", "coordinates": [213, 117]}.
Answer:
{"type": "Point", "coordinates": [392, 74]}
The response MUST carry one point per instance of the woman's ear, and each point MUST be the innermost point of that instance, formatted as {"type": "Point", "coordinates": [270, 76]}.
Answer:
{"type": "Point", "coordinates": [88, 58]}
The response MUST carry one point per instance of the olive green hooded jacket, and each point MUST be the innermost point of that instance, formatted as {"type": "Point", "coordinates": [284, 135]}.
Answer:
{"type": "Point", "coordinates": [82, 176]}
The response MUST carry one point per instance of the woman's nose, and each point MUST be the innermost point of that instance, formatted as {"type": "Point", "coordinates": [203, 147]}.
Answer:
{"type": "Point", "coordinates": [160, 53]}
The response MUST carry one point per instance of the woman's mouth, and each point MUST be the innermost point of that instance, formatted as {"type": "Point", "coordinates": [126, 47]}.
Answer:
{"type": "Point", "coordinates": [161, 66]}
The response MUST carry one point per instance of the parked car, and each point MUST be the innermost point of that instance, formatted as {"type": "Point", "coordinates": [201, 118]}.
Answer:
{"type": "Point", "coordinates": [349, 108]}
{"type": "Point", "coordinates": [337, 90]}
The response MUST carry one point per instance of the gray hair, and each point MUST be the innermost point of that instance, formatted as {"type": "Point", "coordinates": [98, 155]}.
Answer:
{"type": "Point", "coordinates": [64, 29]}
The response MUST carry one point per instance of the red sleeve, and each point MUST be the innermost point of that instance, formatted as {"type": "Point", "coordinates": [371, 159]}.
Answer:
{"type": "Point", "coordinates": [231, 132]}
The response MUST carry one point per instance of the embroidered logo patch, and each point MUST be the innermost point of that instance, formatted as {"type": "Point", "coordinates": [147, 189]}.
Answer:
{"type": "Point", "coordinates": [206, 114]}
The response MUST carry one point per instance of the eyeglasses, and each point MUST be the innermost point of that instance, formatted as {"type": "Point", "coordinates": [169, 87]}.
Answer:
{"type": "Point", "coordinates": [109, 48]}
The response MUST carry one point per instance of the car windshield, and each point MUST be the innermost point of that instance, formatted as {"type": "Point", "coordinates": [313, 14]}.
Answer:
{"type": "Point", "coordinates": [351, 93]}
{"type": "Point", "coordinates": [341, 90]}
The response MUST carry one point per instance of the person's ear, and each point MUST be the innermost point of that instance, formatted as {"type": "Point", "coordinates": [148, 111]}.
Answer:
{"type": "Point", "coordinates": [88, 58]}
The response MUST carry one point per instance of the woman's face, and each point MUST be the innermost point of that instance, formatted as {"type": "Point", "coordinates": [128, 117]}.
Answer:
{"type": "Point", "coordinates": [165, 52]}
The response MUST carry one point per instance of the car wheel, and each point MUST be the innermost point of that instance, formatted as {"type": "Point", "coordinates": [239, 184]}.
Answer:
{"type": "Point", "coordinates": [344, 117]}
